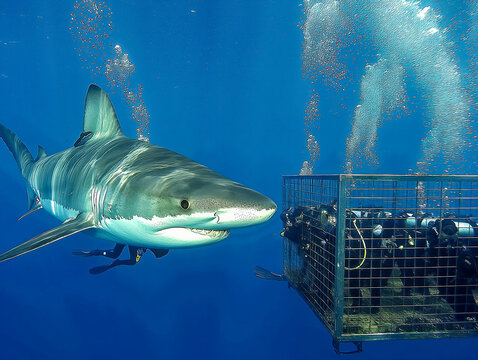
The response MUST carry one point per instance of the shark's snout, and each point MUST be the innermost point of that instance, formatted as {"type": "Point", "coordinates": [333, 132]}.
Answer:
{"type": "Point", "coordinates": [232, 218]}
{"type": "Point", "coordinates": [246, 214]}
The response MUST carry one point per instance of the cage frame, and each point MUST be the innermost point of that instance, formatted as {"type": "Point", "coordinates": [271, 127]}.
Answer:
{"type": "Point", "coordinates": [342, 181]}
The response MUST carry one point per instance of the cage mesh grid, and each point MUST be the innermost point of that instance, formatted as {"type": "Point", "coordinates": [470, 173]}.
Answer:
{"type": "Point", "coordinates": [311, 268]}
{"type": "Point", "coordinates": [385, 256]}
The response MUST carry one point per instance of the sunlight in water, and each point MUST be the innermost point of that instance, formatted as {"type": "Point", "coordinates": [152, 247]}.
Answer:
{"type": "Point", "coordinates": [91, 26]}
{"type": "Point", "coordinates": [409, 45]}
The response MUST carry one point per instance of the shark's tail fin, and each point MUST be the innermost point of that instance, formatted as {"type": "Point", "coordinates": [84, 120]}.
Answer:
{"type": "Point", "coordinates": [19, 150]}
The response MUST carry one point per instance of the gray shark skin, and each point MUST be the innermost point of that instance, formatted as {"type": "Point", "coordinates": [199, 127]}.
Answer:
{"type": "Point", "coordinates": [129, 191]}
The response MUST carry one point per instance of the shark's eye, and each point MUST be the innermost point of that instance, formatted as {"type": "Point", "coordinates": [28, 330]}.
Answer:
{"type": "Point", "coordinates": [185, 204]}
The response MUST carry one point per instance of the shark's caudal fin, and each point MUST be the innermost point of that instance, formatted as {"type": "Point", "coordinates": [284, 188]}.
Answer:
{"type": "Point", "coordinates": [69, 227]}
{"type": "Point", "coordinates": [18, 149]}
{"type": "Point", "coordinates": [100, 118]}
{"type": "Point", "coordinates": [24, 159]}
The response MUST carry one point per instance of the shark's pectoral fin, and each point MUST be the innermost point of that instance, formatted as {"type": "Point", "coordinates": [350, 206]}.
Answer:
{"type": "Point", "coordinates": [69, 227]}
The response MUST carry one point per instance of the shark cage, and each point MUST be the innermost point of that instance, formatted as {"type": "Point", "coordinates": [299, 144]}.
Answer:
{"type": "Point", "coordinates": [384, 256]}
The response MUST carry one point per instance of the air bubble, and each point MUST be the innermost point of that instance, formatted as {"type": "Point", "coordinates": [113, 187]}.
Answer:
{"type": "Point", "coordinates": [91, 26]}
{"type": "Point", "coordinates": [405, 39]}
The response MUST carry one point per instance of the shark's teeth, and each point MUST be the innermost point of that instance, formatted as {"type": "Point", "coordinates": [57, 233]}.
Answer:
{"type": "Point", "coordinates": [212, 233]}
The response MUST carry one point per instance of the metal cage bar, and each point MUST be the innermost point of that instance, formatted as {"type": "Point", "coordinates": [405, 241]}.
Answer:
{"type": "Point", "coordinates": [339, 264]}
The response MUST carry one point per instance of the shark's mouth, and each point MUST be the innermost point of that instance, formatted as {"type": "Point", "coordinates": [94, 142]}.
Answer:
{"type": "Point", "coordinates": [210, 233]}
{"type": "Point", "coordinates": [185, 236]}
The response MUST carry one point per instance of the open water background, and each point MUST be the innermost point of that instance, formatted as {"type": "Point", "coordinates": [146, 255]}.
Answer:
{"type": "Point", "coordinates": [224, 86]}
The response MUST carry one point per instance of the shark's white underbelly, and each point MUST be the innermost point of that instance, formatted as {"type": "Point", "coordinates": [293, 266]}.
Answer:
{"type": "Point", "coordinates": [59, 211]}
{"type": "Point", "coordinates": [134, 232]}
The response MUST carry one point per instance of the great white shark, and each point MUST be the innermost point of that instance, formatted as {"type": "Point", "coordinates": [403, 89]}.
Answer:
{"type": "Point", "coordinates": [130, 191]}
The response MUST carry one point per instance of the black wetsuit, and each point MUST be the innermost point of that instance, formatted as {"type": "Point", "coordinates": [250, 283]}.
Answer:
{"type": "Point", "coordinates": [135, 254]}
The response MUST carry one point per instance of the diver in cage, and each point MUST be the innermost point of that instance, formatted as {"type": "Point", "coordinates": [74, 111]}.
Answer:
{"type": "Point", "coordinates": [457, 264]}
{"type": "Point", "coordinates": [467, 284]}
{"type": "Point", "coordinates": [367, 263]}
{"type": "Point", "coordinates": [456, 261]}
{"type": "Point", "coordinates": [410, 253]}
{"type": "Point", "coordinates": [291, 218]}
{"type": "Point", "coordinates": [135, 255]}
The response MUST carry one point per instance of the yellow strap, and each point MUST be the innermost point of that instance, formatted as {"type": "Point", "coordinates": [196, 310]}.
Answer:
{"type": "Point", "coordinates": [364, 249]}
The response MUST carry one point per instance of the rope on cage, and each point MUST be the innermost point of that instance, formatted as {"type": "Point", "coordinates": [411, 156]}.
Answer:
{"type": "Point", "coordinates": [364, 249]}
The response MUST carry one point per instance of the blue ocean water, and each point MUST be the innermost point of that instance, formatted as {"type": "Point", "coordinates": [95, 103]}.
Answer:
{"type": "Point", "coordinates": [223, 83]}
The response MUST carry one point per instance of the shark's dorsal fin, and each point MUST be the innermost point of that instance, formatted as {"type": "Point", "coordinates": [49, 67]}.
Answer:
{"type": "Point", "coordinates": [100, 117]}
{"type": "Point", "coordinates": [41, 153]}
